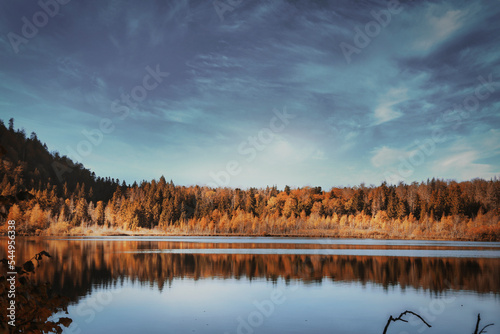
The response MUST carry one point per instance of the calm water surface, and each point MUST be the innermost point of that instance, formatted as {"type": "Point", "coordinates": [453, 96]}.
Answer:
{"type": "Point", "coordinates": [269, 285]}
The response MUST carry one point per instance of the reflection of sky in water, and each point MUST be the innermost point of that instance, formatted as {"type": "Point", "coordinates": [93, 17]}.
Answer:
{"type": "Point", "coordinates": [281, 240]}
{"type": "Point", "coordinates": [221, 306]}
{"type": "Point", "coordinates": [355, 252]}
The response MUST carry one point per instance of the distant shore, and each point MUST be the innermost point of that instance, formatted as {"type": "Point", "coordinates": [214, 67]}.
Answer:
{"type": "Point", "coordinates": [109, 232]}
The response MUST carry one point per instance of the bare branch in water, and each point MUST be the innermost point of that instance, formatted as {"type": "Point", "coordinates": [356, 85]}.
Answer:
{"type": "Point", "coordinates": [400, 318]}
{"type": "Point", "coordinates": [477, 325]}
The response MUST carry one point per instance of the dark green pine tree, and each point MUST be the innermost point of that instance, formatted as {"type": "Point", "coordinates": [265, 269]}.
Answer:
{"type": "Point", "coordinates": [392, 206]}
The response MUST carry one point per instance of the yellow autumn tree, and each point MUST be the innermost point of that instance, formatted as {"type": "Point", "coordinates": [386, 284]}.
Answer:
{"type": "Point", "coordinates": [15, 213]}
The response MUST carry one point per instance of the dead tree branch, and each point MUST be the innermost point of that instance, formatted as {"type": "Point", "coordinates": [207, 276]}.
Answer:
{"type": "Point", "coordinates": [477, 325]}
{"type": "Point", "coordinates": [400, 318]}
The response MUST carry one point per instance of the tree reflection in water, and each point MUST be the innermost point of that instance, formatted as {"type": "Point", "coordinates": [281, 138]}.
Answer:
{"type": "Point", "coordinates": [78, 266]}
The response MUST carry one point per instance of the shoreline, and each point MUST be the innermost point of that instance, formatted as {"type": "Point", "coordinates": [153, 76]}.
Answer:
{"type": "Point", "coordinates": [237, 235]}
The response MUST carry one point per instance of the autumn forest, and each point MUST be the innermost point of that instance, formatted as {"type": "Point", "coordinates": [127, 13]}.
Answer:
{"type": "Point", "coordinates": [49, 194]}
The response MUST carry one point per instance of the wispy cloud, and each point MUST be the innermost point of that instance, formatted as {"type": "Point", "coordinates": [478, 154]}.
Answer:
{"type": "Point", "coordinates": [385, 156]}
{"type": "Point", "coordinates": [352, 121]}
{"type": "Point", "coordinates": [386, 110]}
{"type": "Point", "coordinates": [440, 26]}
{"type": "Point", "coordinates": [464, 166]}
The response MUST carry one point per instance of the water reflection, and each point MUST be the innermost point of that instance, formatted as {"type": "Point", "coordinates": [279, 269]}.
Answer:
{"type": "Point", "coordinates": [79, 265]}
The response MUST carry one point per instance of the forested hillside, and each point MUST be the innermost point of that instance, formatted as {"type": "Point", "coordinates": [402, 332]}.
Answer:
{"type": "Point", "coordinates": [79, 202]}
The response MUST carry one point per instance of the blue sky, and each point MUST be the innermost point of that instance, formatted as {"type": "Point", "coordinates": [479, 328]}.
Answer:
{"type": "Point", "coordinates": [255, 93]}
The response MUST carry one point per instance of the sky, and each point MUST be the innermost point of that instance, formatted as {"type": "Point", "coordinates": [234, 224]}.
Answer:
{"type": "Point", "coordinates": [251, 93]}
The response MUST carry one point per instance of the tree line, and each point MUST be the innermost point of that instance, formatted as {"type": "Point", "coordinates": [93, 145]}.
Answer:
{"type": "Point", "coordinates": [84, 202]}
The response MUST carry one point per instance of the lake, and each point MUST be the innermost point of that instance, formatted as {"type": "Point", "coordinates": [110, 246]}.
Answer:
{"type": "Point", "coordinates": [268, 285]}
